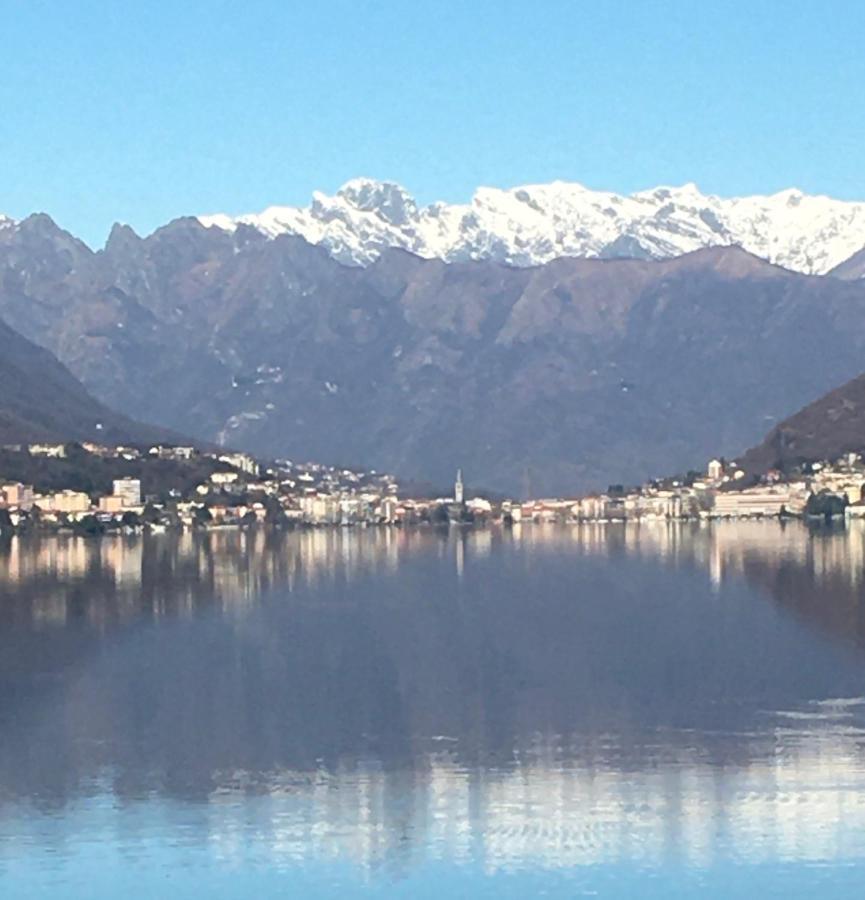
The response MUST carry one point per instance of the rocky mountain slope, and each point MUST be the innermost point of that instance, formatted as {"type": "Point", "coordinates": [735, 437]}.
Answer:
{"type": "Point", "coordinates": [533, 224]}
{"type": "Point", "coordinates": [40, 400]}
{"type": "Point", "coordinates": [825, 429]}
{"type": "Point", "coordinates": [554, 379]}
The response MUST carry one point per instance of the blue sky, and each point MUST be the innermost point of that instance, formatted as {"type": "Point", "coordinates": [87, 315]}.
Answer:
{"type": "Point", "coordinates": [144, 111]}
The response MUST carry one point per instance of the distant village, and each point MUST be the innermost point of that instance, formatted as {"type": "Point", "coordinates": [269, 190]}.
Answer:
{"type": "Point", "coordinates": [239, 491]}
{"type": "Point", "coordinates": [820, 489]}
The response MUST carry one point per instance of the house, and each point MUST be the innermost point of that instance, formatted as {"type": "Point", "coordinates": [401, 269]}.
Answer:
{"type": "Point", "coordinates": [17, 496]}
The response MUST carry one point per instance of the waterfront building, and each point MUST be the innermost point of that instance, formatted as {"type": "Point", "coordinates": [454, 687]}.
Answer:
{"type": "Point", "coordinates": [388, 509]}
{"type": "Point", "coordinates": [715, 470]}
{"type": "Point", "coordinates": [110, 504]}
{"type": "Point", "coordinates": [17, 496]}
{"type": "Point", "coordinates": [129, 492]}
{"type": "Point", "coordinates": [320, 509]}
{"type": "Point", "coordinates": [760, 501]}
{"type": "Point", "coordinates": [64, 502]}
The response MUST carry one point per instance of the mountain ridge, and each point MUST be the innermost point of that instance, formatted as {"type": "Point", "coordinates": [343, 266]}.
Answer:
{"type": "Point", "coordinates": [569, 375]}
{"type": "Point", "coordinates": [534, 224]}
{"type": "Point", "coordinates": [41, 401]}
{"type": "Point", "coordinates": [825, 429]}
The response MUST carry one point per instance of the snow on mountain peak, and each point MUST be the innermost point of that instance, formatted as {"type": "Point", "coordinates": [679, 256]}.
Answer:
{"type": "Point", "coordinates": [532, 224]}
{"type": "Point", "coordinates": [386, 199]}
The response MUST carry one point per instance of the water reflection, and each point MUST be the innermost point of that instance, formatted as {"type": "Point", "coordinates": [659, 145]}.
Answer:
{"type": "Point", "coordinates": [541, 698]}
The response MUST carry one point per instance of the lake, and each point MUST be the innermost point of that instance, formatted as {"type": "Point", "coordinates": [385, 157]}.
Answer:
{"type": "Point", "coordinates": [606, 711]}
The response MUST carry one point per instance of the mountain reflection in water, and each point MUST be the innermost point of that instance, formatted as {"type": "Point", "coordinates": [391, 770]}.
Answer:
{"type": "Point", "coordinates": [545, 698]}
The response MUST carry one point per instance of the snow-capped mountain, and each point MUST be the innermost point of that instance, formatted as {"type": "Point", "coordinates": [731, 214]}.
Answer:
{"type": "Point", "coordinates": [412, 366]}
{"type": "Point", "coordinates": [530, 225]}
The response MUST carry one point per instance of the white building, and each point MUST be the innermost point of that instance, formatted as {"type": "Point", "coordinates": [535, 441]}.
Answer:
{"type": "Point", "coordinates": [51, 451]}
{"type": "Point", "coordinates": [715, 470]}
{"type": "Point", "coordinates": [388, 509]}
{"type": "Point", "coordinates": [177, 453]}
{"type": "Point", "coordinates": [223, 477]}
{"type": "Point", "coordinates": [320, 509]}
{"type": "Point", "coordinates": [459, 490]}
{"type": "Point", "coordinates": [242, 461]}
{"type": "Point", "coordinates": [129, 492]}
{"type": "Point", "coordinates": [761, 501]}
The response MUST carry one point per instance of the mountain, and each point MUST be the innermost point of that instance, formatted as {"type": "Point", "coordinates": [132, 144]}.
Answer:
{"type": "Point", "coordinates": [825, 429]}
{"type": "Point", "coordinates": [534, 224]}
{"type": "Point", "coordinates": [40, 400]}
{"type": "Point", "coordinates": [851, 268]}
{"type": "Point", "coordinates": [552, 379]}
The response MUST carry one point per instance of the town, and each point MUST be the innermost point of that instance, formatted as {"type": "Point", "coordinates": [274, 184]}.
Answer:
{"type": "Point", "coordinates": [820, 489]}
{"type": "Point", "coordinates": [182, 487]}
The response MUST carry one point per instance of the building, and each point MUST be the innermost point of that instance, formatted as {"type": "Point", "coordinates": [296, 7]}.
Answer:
{"type": "Point", "coordinates": [111, 504]}
{"type": "Point", "coordinates": [590, 508]}
{"type": "Point", "coordinates": [51, 451]}
{"type": "Point", "coordinates": [223, 477]}
{"type": "Point", "coordinates": [99, 450]}
{"type": "Point", "coordinates": [129, 492]}
{"type": "Point", "coordinates": [320, 509]}
{"type": "Point", "coordinates": [849, 484]}
{"type": "Point", "coordinates": [64, 502]}
{"type": "Point", "coordinates": [175, 453]}
{"type": "Point", "coordinates": [511, 511]}
{"type": "Point", "coordinates": [388, 509]}
{"type": "Point", "coordinates": [17, 496]}
{"type": "Point", "coordinates": [459, 491]}
{"type": "Point", "coordinates": [715, 470]}
{"type": "Point", "coordinates": [242, 461]}
{"type": "Point", "coordinates": [761, 501]}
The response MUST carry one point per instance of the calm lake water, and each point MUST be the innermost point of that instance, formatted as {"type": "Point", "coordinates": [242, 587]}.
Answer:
{"type": "Point", "coordinates": [599, 711]}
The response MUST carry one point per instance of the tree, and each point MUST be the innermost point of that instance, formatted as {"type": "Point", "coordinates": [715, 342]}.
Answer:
{"type": "Point", "coordinates": [274, 513]}
{"type": "Point", "coordinates": [150, 515]}
{"type": "Point", "coordinates": [89, 525]}
{"type": "Point", "coordinates": [465, 515]}
{"type": "Point", "coordinates": [440, 515]}
{"type": "Point", "coordinates": [202, 515]}
{"type": "Point", "coordinates": [825, 504]}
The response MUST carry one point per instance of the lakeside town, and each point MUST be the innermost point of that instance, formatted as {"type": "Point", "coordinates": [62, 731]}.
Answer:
{"type": "Point", "coordinates": [228, 489]}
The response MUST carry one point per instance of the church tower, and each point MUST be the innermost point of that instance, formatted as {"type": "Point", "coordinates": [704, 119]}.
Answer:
{"type": "Point", "coordinates": [459, 493]}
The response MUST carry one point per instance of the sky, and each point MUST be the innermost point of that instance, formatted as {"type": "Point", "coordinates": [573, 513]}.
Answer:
{"type": "Point", "coordinates": [141, 112]}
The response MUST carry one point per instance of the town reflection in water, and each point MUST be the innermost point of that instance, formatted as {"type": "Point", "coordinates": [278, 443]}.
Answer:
{"type": "Point", "coordinates": [540, 697]}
